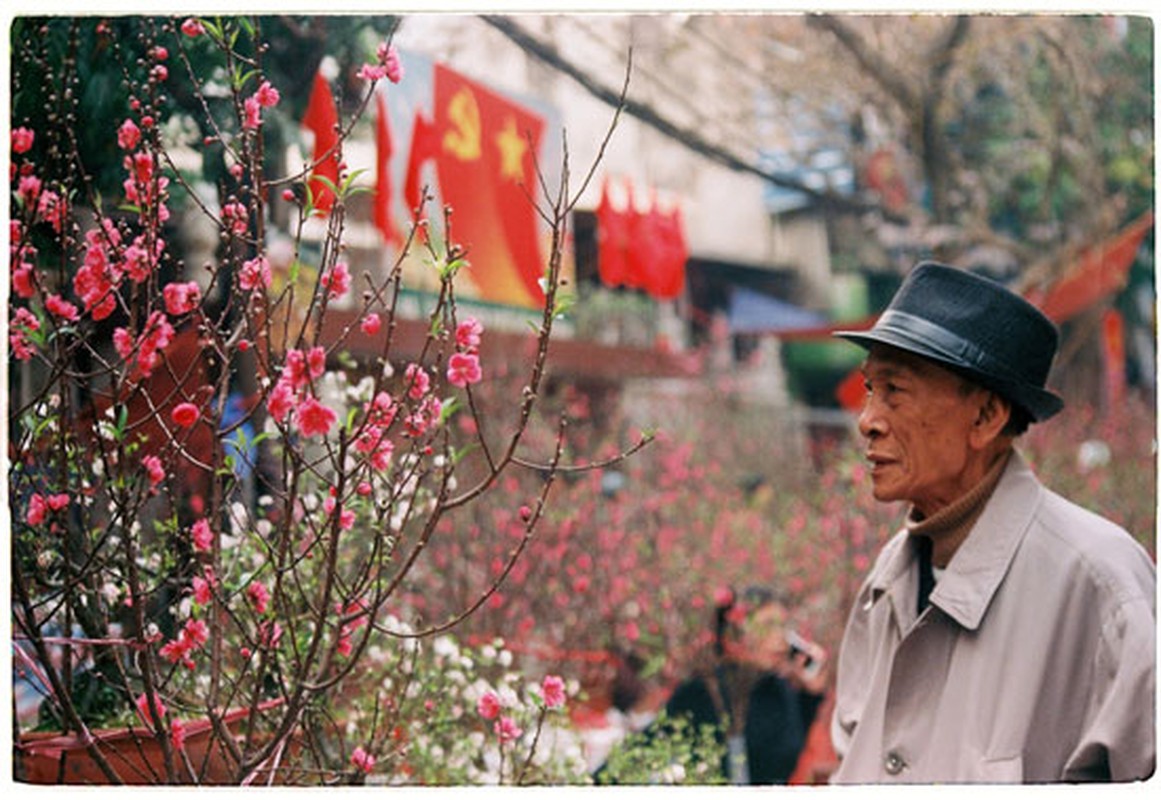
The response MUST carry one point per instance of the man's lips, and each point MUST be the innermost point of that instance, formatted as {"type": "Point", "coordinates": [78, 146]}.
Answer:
{"type": "Point", "coordinates": [879, 460]}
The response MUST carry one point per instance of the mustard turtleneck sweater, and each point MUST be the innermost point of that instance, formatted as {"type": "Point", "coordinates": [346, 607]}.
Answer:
{"type": "Point", "coordinates": [952, 524]}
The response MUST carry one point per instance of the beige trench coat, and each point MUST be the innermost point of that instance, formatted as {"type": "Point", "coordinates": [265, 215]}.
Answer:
{"type": "Point", "coordinates": [1033, 662]}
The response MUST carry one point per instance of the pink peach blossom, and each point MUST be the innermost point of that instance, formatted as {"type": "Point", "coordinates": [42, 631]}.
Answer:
{"type": "Point", "coordinates": [37, 510]}
{"type": "Point", "coordinates": [468, 334]}
{"type": "Point", "coordinates": [202, 590]}
{"type": "Point", "coordinates": [202, 536]}
{"type": "Point", "coordinates": [389, 58]}
{"type": "Point", "coordinates": [489, 705]}
{"type": "Point", "coordinates": [128, 135]}
{"type": "Point", "coordinates": [313, 418]}
{"type": "Point", "coordinates": [182, 298]}
{"type": "Point", "coordinates": [153, 469]}
{"type": "Point", "coordinates": [507, 729]}
{"type": "Point", "coordinates": [363, 760]}
{"type": "Point", "coordinates": [371, 324]}
{"type": "Point", "coordinates": [267, 95]}
{"type": "Point", "coordinates": [463, 369]}
{"type": "Point", "coordinates": [259, 596]}
{"type": "Point", "coordinates": [193, 27]}
{"type": "Point", "coordinates": [22, 139]}
{"type": "Point", "coordinates": [337, 282]}
{"type": "Point", "coordinates": [185, 415]}
{"type": "Point", "coordinates": [553, 689]}
{"type": "Point", "coordinates": [280, 401]}
{"type": "Point", "coordinates": [59, 307]}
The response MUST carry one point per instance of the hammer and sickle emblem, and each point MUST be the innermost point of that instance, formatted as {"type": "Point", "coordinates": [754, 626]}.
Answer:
{"type": "Point", "coordinates": [463, 138]}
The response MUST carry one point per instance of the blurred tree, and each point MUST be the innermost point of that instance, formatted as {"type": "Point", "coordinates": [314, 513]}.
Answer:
{"type": "Point", "coordinates": [1033, 133]}
{"type": "Point", "coordinates": [294, 47]}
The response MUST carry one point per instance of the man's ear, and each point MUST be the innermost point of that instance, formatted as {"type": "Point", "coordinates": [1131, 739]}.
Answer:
{"type": "Point", "coordinates": [994, 413]}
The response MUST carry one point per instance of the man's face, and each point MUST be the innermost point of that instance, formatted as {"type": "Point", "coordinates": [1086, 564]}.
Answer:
{"type": "Point", "coordinates": [764, 636]}
{"type": "Point", "coordinates": [916, 421]}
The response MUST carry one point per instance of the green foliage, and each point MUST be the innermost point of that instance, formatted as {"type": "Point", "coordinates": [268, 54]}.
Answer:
{"type": "Point", "coordinates": [672, 752]}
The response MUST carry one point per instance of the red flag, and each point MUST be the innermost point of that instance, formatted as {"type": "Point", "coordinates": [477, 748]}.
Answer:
{"type": "Point", "coordinates": [485, 159]}
{"type": "Point", "coordinates": [612, 240]}
{"type": "Point", "coordinates": [383, 197]}
{"type": "Point", "coordinates": [669, 274]}
{"type": "Point", "coordinates": [852, 391]}
{"type": "Point", "coordinates": [424, 146]}
{"type": "Point", "coordinates": [1113, 350]}
{"type": "Point", "coordinates": [322, 120]}
{"type": "Point", "coordinates": [643, 246]}
{"type": "Point", "coordinates": [884, 177]}
{"type": "Point", "coordinates": [640, 250]}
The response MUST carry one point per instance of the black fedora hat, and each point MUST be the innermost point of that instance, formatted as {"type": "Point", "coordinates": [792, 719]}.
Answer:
{"type": "Point", "coordinates": [975, 327]}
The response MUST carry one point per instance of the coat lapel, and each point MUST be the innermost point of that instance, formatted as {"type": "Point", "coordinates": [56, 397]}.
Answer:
{"type": "Point", "coordinates": [979, 566]}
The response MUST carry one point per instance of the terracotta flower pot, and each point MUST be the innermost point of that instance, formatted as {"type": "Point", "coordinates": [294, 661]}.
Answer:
{"type": "Point", "coordinates": [133, 753]}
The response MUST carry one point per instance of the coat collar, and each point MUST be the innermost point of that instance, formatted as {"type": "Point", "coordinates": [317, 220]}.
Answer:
{"type": "Point", "coordinates": [971, 580]}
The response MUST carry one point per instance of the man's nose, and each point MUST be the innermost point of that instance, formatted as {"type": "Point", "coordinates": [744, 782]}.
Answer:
{"type": "Point", "coordinates": [871, 423]}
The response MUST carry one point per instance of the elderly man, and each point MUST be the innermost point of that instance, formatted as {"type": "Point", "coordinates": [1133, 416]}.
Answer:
{"type": "Point", "coordinates": [1005, 634]}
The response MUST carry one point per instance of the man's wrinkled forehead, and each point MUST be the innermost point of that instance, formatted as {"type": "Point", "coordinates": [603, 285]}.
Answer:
{"type": "Point", "coordinates": [885, 357]}
{"type": "Point", "coordinates": [893, 358]}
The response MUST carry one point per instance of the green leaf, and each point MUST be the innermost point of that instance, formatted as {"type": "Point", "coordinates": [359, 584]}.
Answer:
{"type": "Point", "coordinates": [346, 360]}
{"type": "Point", "coordinates": [564, 304]}
{"type": "Point", "coordinates": [244, 78]}
{"type": "Point", "coordinates": [449, 270]}
{"type": "Point", "coordinates": [214, 29]}
{"type": "Point", "coordinates": [450, 406]}
{"type": "Point", "coordinates": [350, 179]}
{"type": "Point", "coordinates": [462, 453]}
{"type": "Point", "coordinates": [122, 422]}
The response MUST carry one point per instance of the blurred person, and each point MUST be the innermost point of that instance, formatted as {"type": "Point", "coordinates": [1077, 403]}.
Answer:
{"type": "Point", "coordinates": [760, 691]}
{"type": "Point", "coordinates": [1004, 634]}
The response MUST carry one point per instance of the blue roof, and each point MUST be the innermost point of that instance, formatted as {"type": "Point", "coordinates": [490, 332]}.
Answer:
{"type": "Point", "coordinates": [755, 312]}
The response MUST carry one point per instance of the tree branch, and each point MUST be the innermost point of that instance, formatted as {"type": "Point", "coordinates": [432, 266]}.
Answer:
{"type": "Point", "coordinates": [548, 54]}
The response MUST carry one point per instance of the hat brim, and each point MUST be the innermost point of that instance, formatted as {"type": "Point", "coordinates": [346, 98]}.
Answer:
{"type": "Point", "coordinates": [1040, 404]}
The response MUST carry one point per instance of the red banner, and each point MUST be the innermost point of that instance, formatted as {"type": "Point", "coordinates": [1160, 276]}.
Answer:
{"type": "Point", "coordinates": [321, 119]}
{"type": "Point", "coordinates": [383, 152]}
{"type": "Point", "coordinates": [640, 249]}
{"type": "Point", "coordinates": [1113, 353]}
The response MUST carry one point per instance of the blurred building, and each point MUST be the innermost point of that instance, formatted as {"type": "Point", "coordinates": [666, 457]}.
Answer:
{"type": "Point", "coordinates": [683, 266]}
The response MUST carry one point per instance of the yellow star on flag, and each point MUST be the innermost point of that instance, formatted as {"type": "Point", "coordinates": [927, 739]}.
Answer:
{"type": "Point", "coordinates": [512, 148]}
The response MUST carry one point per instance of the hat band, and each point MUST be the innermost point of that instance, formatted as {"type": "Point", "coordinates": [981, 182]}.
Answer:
{"type": "Point", "coordinates": [950, 345]}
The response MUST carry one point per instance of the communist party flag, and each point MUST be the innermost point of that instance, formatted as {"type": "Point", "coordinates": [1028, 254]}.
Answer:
{"type": "Point", "coordinates": [322, 119]}
{"type": "Point", "coordinates": [383, 152]}
{"type": "Point", "coordinates": [484, 146]}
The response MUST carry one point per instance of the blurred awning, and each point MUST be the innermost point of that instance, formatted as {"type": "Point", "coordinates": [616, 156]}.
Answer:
{"type": "Point", "coordinates": [753, 312]}
{"type": "Point", "coordinates": [575, 358]}
{"type": "Point", "coordinates": [1096, 273]}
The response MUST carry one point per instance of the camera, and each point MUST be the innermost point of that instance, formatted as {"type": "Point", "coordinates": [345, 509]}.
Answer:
{"type": "Point", "coordinates": [800, 644]}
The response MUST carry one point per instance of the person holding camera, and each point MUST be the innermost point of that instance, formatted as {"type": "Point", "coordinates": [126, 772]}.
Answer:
{"type": "Point", "coordinates": [762, 688]}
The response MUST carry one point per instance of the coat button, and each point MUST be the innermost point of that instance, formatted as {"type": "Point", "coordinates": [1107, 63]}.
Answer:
{"type": "Point", "coordinates": [894, 763]}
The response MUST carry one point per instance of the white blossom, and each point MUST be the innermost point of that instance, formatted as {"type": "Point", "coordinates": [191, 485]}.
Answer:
{"type": "Point", "coordinates": [445, 647]}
